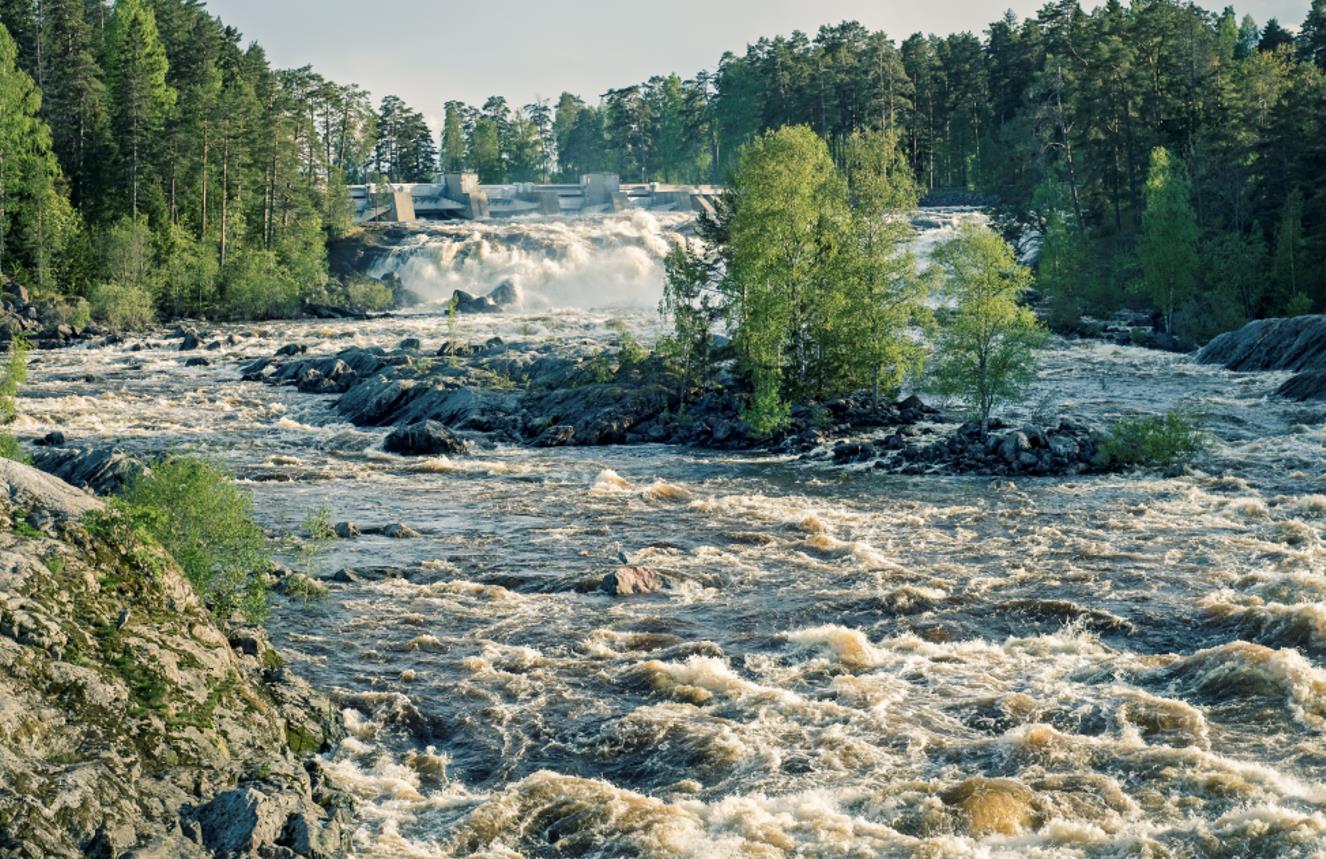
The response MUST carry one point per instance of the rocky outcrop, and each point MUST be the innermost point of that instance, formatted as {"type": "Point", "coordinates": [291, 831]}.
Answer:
{"type": "Point", "coordinates": [1296, 344]}
{"type": "Point", "coordinates": [129, 723]}
{"type": "Point", "coordinates": [100, 470]}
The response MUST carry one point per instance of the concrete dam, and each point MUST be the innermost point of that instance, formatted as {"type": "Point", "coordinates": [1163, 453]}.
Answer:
{"type": "Point", "coordinates": [459, 196]}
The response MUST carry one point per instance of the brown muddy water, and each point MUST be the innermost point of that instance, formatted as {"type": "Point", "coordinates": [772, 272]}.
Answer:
{"type": "Point", "coordinates": [858, 664]}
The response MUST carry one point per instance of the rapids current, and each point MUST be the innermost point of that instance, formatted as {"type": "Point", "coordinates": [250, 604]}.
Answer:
{"type": "Point", "coordinates": [859, 665]}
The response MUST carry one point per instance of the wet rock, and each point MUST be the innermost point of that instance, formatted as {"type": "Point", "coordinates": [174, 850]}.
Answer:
{"type": "Point", "coordinates": [464, 302]}
{"type": "Point", "coordinates": [51, 439]}
{"type": "Point", "coordinates": [197, 362]}
{"type": "Point", "coordinates": [410, 344]}
{"type": "Point", "coordinates": [629, 580]}
{"type": "Point", "coordinates": [425, 438]}
{"type": "Point", "coordinates": [102, 470]}
{"type": "Point", "coordinates": [189, 341]}
{"type": "Point", "coordinates": [1296, 344]}
{"type": "Point", "coordinates": [1305, 386]}
{"type": "Point", "coordinates": [505, 295]}
{"type": "Point", "coordinates": [292, 349]}
{"type": "Point", "coordinates": [556, 436]}
{"type": "Point", "coordinates": [346, 530]}
{"type": "Point", "coordinates": [397, 531]}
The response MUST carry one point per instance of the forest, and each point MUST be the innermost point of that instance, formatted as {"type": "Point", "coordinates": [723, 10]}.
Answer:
{"type": "Point", "coordinates": [153, 165]}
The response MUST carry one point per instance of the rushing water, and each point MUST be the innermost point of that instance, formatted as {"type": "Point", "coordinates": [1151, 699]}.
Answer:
{"type": "Point", "coordinates": [1133, 663]}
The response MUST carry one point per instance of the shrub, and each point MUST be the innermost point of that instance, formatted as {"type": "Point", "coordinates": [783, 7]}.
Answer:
{"type": "Point", "coordinates": [13, 373]}
{"type": "Point", "coordinates": [366, 294]}
{"type": "Point", "coordinates": [196, 512]}
{"type": "Point", "coordinates": [1155, 440]}
{"type": "Point", "coordinates": [257, 286]}
{"type": "Point", "coordinates": [123, 307]}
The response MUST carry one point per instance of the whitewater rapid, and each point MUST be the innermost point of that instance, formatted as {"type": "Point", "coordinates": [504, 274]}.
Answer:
{"type": "Point", "coordinates": [858, 664]}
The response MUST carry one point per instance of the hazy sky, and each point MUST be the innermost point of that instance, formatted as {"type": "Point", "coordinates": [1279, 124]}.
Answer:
{"type": "Point", "coordinates": [429, 51]}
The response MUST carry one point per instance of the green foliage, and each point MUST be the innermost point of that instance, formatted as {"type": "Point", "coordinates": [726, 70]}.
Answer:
{"type": "Point", "coordinates": [629, 351]}
{"type": "Point", "coordinates": [784, 257]}
{"type": "Point", "coordinates": [123, 307]}
{"type": "Point", "coordinates": [691, 303]}
{"type": "Point", "coordinates": [12, 376]}
{"type": "Point", "coordinates": [194, 510]}
{"type": "Point", "coordinates": [883, 298]}
{"type": "Point", "coordinates": [317, 525]}
{"type": "Point", "coordinates": [1168, 245]}
{"type": "Point", "coordinates": [367, 294]}
{"type": "Point", "coordinates": [986, 350]}
{"type": "Point", "coordinates": [1155, 441]}
{"type": "Point", "coordinates": [256, 286]}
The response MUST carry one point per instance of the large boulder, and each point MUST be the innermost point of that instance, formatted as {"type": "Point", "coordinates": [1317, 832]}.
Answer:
{"type": "Point", "coordinates": [629, 580]}
{"type": "Point", "coordinates": [425, 438]}
{"type": "Point", "coordinates": [467, 303]}
{"type": "Point", "coordinates": [103, 470]}
{"type": "Point", "coordinates": [1297, 343]}
{"type": "Point", "coordinates": [1305, 386]}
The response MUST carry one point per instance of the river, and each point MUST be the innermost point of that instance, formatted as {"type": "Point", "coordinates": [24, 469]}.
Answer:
{"type": "Point", "coordinates": [859, 664]}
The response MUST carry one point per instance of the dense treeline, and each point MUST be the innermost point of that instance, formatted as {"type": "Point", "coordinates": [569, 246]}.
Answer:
{"type": "Point", "coordinates": [151, 163]}
{"type": "Point", "coordinates": [1056, 119]}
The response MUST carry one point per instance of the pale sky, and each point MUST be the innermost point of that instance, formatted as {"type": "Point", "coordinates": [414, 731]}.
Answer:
{"type": "Point", "coordinates": [430, 51]}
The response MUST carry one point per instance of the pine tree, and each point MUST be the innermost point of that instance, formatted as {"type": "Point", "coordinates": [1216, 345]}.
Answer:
{"type": "Point", "coordinates": [74, 99]}
{"type": "Point", "coordinates": [1168, 245]}
{"type": "Point", "coordinates": [453, 140]}
{"type": "Point", "coordinates": [1312, 35]}
{"type": "Point", "coordinates": [140, 98]}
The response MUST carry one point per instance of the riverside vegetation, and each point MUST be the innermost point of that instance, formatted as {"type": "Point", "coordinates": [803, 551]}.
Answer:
{"type": "Point", "coordinates": [1158, 159]}
{"type": "Point", "coordinates": [1168, 157]}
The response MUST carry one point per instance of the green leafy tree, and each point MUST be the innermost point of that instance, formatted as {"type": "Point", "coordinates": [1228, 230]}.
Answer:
{"type": "Point", "coordinates": [986, 350]}
{"type": "Point", "coordinates": [485, 153]}
{"type": "Point", "coordinates": [784, 235]}
{"type": "Point", "coordinates": [1168, 245]}
{"type": "Point", "coordinates": [35, 221]}
{"type": "Point", "coordinates": [1289, 267]}
{"type": "Point", "coordinates": [886, 296]}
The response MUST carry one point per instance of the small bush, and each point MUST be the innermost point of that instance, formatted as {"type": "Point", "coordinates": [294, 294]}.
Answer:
{"type": "Point", "coordinates": [12, 374]}
{"type": "Point", "coordinates": [123, 307]}
{"type": "Point", "coordinates": [1155, 440]}
{"type": "Point", "coordinates": [196, 512]}
{"type": "Point", "coordinates": [368, 294]}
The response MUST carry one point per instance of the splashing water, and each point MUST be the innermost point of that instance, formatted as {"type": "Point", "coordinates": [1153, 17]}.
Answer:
{"type": "Point", "coordinates": [612, 261]}
{"type": "Point", "coordinates": [857, 665]}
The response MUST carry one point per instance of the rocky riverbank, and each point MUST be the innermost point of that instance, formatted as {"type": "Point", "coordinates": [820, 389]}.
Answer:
{"type": "Point", "coordinates": [130, 723]}
{"type": "Point", "coordinates": [1296, 344]}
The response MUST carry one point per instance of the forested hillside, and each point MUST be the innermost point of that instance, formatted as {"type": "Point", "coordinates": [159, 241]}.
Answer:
{"type": "Point", "coordinates": [151, 162]}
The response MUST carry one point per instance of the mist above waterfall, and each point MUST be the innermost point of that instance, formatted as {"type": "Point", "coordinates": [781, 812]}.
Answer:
{"type": "Point", "coordinates": [609, 261]}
